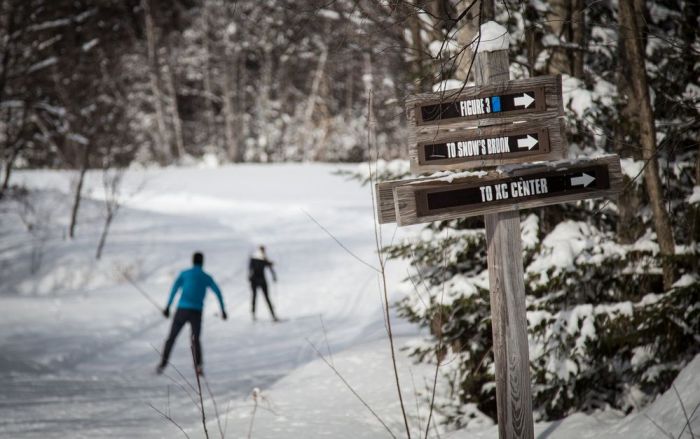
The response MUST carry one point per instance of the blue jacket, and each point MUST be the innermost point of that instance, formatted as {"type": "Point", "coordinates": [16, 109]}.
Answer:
{"type": "Point", "coordinates": [194, 283]}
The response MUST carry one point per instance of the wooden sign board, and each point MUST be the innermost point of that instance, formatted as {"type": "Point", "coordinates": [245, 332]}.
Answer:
{"type": "Point", "coordinates": [490, 146]}
{"type": "Point", "coordinates": [487, 103]}
{"type": "Point", "coordinates": [384, 198]}
{"type": "Point", "coordinates": [473, 103]}
{"type": "Point", "coordinates": [430, 199]}
{"type": "Point", "coordinates": [462, 114]}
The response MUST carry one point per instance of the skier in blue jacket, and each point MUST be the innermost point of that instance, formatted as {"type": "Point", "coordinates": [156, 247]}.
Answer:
{"type": "Point", "coordinates": [194, 283]}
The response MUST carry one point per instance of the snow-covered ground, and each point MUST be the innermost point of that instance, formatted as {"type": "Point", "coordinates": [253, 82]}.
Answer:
{"type": "Point", "coordinates": [78, 343]}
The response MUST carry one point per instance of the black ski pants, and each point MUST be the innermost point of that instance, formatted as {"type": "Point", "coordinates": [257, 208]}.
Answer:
{"type": "Point", "coordinates": [262, 284]}
{"type": "Point", "coordinates": [183, 316]}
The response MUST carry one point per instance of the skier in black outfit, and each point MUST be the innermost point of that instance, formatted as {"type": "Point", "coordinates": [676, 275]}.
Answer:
{"type": "Point", "coordinates": [256, 275]}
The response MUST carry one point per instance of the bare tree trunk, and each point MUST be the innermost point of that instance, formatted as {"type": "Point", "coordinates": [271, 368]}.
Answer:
{"type": "Point", "coordinates": [111, 184]}
{"type": "Point", "coordinates": [230, 81]}
{"type": "Point", "coordinates": [161, 135]}
{"type": "Point", "coordinates": [697, 167]}
{"type": "Point", "coordinates": [208, 90]}
{"type": "Point", "coordinates": [533, 45]}
{"type": "Point", "coordinates": [368, 82]}
{"type": "Point", "coordinates": [422, 75]}
{"type": "Point", "coordinates": [627, 134]}
{"type": "Point", "coordinates": [306, 141]}
{"type": "Point", "coordinates": [557, 23]}
{"type": "Point", "coordinates": [6, 48]}
{"type": "Point", "coordinates": [488, 10]}
{"type": "Point", "coordinates": [349, 94]}
{"type": "Point", "coordinates": [467, 33]}
{"type": "Point", "coordinates": [6, 178]}
{"type": "Point", "coordinates": [441, 12]}
{"type": "Point", "coordinates": [8, 170]}
{"type": "Point", "coordinates": [103, 236]}
{"type": "Point", "coordinates": [232, 147]}
{"type": "Point", "coordinates": [5, 148]}
{"type": "Point", "coordinates": [626, 138]}
{"type": "Point", "coordinates": [325, 130]}
{"type": "Point", "coordinates": [179, 146]}
{"type": "Point", "coordinates": [79, 191]}
{"type": "Point", "coordinates": [630, 33]}
{"type": "Point", "coordinates": [690, 34]}
{"type": "Point", "coordinates": [315, 85]}
{"type": "Point", "coordinates": [14, 143]}
{"type": "Point", "coordinates": [264, 103]}
{"type": "Point", "coordinates": [578, 26]}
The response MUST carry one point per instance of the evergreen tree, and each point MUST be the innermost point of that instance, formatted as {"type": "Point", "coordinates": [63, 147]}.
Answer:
{"type": "Point", "coordinates": [604, 331]}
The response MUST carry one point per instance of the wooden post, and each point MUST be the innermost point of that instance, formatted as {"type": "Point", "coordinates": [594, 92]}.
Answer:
{"type": "Point", "coordinates": [509, 321]}
{"type": "Point", "coordinates": [492, 110]}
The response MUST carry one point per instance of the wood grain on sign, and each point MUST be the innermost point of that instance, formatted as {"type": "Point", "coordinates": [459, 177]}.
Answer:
{"type": "Point", "coordinates": [520, 187]}
{"type": "Point", "coordinates": [384, 198]}
{"type": "Point", "coordinates": [493, 145]}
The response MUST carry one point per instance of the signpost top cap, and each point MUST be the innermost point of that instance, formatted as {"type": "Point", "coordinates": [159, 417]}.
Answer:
{"type": "Point", "coordinates": [493, 37]}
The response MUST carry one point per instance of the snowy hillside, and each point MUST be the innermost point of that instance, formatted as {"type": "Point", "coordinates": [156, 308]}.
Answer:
{"type": "Point", "coordinates": [665, 417]}
{"type": "Point", "coordinates": [77, 343]}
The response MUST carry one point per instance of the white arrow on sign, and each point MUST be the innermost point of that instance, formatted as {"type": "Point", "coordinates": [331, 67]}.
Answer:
{"type": "Point", "coordinates": [529, 142]}
{"type": "Point", "coordinates": [584, 180]}
{"type": "Point", "coordinates": [523, 101]}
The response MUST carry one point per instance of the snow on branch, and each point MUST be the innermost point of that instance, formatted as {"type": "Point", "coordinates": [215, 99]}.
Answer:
{"type": "Point", "coordinates": [43, 64]}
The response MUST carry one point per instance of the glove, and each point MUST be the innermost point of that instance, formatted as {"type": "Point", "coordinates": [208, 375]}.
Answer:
{"type": "Point", "coordinates": [166, 313]}
{"type": "Point", "coordinates": [224, 316]}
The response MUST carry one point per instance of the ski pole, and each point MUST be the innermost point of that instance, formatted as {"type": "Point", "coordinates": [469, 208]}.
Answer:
{"type": "Point", "coordinates": [140, 290]}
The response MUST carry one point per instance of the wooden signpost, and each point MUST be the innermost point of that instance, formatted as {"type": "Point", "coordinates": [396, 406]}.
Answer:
{"type": "Point", "coordinates": [497, 122]}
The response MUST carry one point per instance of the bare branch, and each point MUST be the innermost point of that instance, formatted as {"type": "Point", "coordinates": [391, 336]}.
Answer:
{"type": "Point", "coordinates": [169, 419]}
{"type": "Point", "coordinates": [199, 389]}
{"type": "Point", "coordinates": [216, 408]}
{"type": "Point", "coordinates": [340, 243]}
{"type": "Point", "coordinates": [354, 392]}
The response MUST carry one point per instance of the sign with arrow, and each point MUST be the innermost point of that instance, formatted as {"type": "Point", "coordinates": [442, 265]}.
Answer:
{"type": "Point", "coordinates": [516, 98]}
{"type": "Point", "coordinates": [524, 101]}
{"type": "Point", "coordinates": [537, 185]}
{"type": "Point", "coordinates": [527, 142]}
{"type": "Point", "coordinates": [473, 108]}
{"type": "Point", "coordinates": [490, 146]}
{"type": "Point", "coordinates": [484, 126]}
{"type": "Point", "coordinates": [584, 180]}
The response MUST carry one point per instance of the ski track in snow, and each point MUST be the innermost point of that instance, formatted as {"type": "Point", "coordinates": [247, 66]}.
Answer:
{"type": "Point", "coordinates": [77, 348]}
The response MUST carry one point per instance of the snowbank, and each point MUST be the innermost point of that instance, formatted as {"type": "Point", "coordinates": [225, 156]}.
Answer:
{"type": "Point", "coordinates": [666, 412]}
